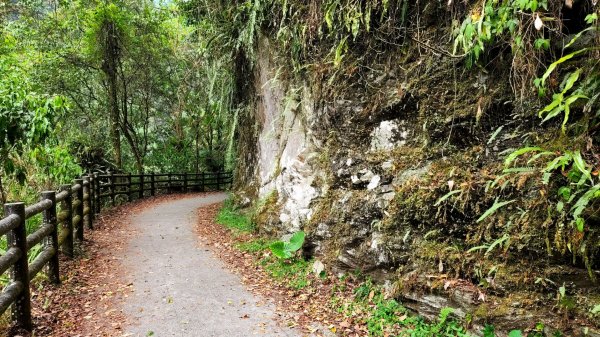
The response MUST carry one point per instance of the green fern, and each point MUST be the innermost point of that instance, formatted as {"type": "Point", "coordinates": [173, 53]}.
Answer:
{"type": "Point", "coordinates": [519, 152]}
{"type": "Point", "coordinates": [496, 206]}
{"type": "Point", "coordinates": [446, 196]}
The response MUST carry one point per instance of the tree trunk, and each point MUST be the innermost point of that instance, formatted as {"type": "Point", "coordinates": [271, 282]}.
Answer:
{"type": "Point", "coordinates": [197, 133]}
{"type": "Point", "coordinates": [2, 195]}
{"type": "Point", "coordinates": [111, 55]}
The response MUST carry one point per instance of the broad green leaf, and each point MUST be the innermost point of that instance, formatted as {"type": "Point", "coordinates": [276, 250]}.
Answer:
{"type": "Point", "coordinates": [515, 333]}
{"type": "Point", "coordinates": [573, 77]}
{"type": "Point", "coordinates": [580, 224]}
{"type": "Point", "coordinates": [296, 241]}
{"type": "Point", "coordinates": [278, 249]}
{"type": "Point", "coordinates": [564, 192]}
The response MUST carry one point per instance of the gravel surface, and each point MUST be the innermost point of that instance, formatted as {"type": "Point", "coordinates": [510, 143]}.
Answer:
{"type": "Point", "coordinates": [180, 288]}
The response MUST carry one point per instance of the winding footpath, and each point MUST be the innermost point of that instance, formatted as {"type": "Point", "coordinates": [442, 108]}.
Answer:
{"type": "Point", "coordinates": [180, 288]}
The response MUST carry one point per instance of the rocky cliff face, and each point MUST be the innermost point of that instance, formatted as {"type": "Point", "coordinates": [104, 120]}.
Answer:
{"type": "Point", "coordinates": [387, 169]}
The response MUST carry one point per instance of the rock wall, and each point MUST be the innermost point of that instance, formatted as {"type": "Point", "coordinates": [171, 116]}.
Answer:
{"type": "Point", "coordinates": [386, 170]}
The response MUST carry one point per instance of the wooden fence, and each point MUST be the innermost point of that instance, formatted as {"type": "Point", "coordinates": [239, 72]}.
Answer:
{"type": "Point", "coordinates": [65, 214]}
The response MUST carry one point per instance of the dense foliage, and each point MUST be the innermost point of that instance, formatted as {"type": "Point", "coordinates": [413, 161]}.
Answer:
{"type": "Point", "coordinates": [120, 85]}
{"type": "Point", "coordinates": [516, 86]}
{"type": "Point", "coordinates": [171, 86]}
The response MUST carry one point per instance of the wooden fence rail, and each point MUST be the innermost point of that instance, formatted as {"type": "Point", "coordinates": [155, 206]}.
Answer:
{"type": "Point", "coordinates": [65, 215]}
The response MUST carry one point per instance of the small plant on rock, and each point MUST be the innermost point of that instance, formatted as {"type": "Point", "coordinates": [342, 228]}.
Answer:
{"type": "Point", "coordinates": [286, 249]}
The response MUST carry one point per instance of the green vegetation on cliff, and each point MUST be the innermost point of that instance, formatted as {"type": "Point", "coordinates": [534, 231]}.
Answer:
{"type": "Point", "coordinates": [489, 185]}
{"type": "Point", "coordinates": [448, 147]}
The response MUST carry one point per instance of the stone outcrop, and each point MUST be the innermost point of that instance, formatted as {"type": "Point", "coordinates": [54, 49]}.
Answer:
{"type": "Point", "coordinates": [387, 173]}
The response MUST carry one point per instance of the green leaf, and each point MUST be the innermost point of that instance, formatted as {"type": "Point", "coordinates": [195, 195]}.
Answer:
{"type": "Point", "coordinates": [581, 165]}
{"type": "Point", "coordinates": [519, 152]}
{"type": "Point", "coordinates": [278, 249]}
{"type": "Point", "coordinates": [497, 205]}
{"type": "Point", "coordinates": [296, 241]}
{"type": "Point", "coordinates": [495, 134]}
{"type": "Point", "coordinates": [591, 18]}
{"type": "Point", "coordinates": [564, 192]}
{"type": "Point", "coordinates": [542, 44]}
{"type": "Point", "coordinates": [580, 224]}
{"type": "Point", "coordinates": [446, 196]}
{"type": "Point", "coordinates": [558, 62]}
{"type": "Point", "coordinates": [489, 331]}
{"type": "Point", "coordinates": [476, 248]}
{"type": "Point", "coordinates": [515, 333]}
{"type": "Point", "coordinates": [576, 37]}
{"type": "Point", "coordinates": [571, 79]}
{"type": "Point", "coordinates": [562, 291]}
{"type": "Point", "coordinates": [341, 48]}
{"type": "Point", "coordinates": [496, 243]}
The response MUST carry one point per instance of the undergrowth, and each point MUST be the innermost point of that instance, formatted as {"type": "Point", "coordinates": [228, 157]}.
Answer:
{"type": "Point", "coordinates": [232, 218]}
{"type": "Point", "coordinates": [385, 316]}
{"type": "Point", "coordinates": [368, 304]}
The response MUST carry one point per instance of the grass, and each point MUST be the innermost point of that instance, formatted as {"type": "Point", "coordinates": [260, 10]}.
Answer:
{"type": "Point", "coordinates": [385, 316]}
{"type": "Point", "coordinates": [253, 246]}
{"type": "Point", "coordinates": [230, 217]}
{"type": "Point", "coordinates": [294, 272]}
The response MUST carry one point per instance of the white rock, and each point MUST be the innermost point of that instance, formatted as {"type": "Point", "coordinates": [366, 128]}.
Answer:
{"type": "Point", "coordinates": [388, 165]}
{"type": "Point", "coordinates": [374, 182]}
{"type": "Point", "coordinates": [323, 231]}
{"type": "Point", "coordinates": [389, 196]}
{"type": "Point", "coordinates": [318, 267]}
{"type": "Point", "coordinates": [367, 176]}
{"type": "Point", "coordinates": [355, 180]}
{"type": "Point", "coordinates": [349, 162]}
{"type": "Point", "coordinates": [284, 217]}
{"type": "Point", "coordinates": [389, 135]}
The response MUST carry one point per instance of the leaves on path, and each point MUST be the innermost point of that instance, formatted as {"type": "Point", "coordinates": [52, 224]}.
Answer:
{"type": "Point", "coordinates": [309, 308]}
{"type": "Point", "coordinates": [94, 285]}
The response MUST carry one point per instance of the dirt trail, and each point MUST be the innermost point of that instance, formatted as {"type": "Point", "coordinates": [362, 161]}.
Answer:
{"type": "Point", "coordinates": [180, 288]}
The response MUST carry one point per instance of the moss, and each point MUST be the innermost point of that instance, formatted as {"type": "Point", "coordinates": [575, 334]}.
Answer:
{"type": "Point", "coordinates": [266, 214]}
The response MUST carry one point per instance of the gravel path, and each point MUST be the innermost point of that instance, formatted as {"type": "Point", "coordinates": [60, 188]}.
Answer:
{"type": "Point", "coordinates": [180, 289]}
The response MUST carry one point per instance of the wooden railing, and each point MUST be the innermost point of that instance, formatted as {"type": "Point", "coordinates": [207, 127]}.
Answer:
{"type": "Point", "coordinates": [65, 214]}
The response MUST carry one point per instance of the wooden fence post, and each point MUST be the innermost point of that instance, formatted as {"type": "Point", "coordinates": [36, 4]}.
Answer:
{"type": "Point", "coordinates": [78, 209]}
{"type": "Point", "coordinates": [49, 217]}
{"type": "Point", "coordinates": [142, 186]}
{"type": "Point", "coordinates": [185, 183]}
{"type": "Point", "coordinates": [87, 201]}
{"type": "Point", "coordinates": [112, 187]}
{"type": "Point", "coordinates": [97, 199]}
{"type": "Point", "coordinates": [129, 187]}
{"type": "Point", "coordinates": [67, 221]}
{"type": "Point", "coordinates": [169, 183]}
{"type": "Point", "coordinates": [202, 182]}
{"type": "Point", "coordinates": [152, 186]}
{"type": "Point", "coordinates": [219, 181]}
{"type": "Point", "coordinates": [90, 200]}
{"type": "Point", "coordinates": [21, 308]}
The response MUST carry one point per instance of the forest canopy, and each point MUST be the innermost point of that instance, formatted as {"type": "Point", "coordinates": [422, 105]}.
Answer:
{"type": "Point", "coordinates": [119, 85]}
